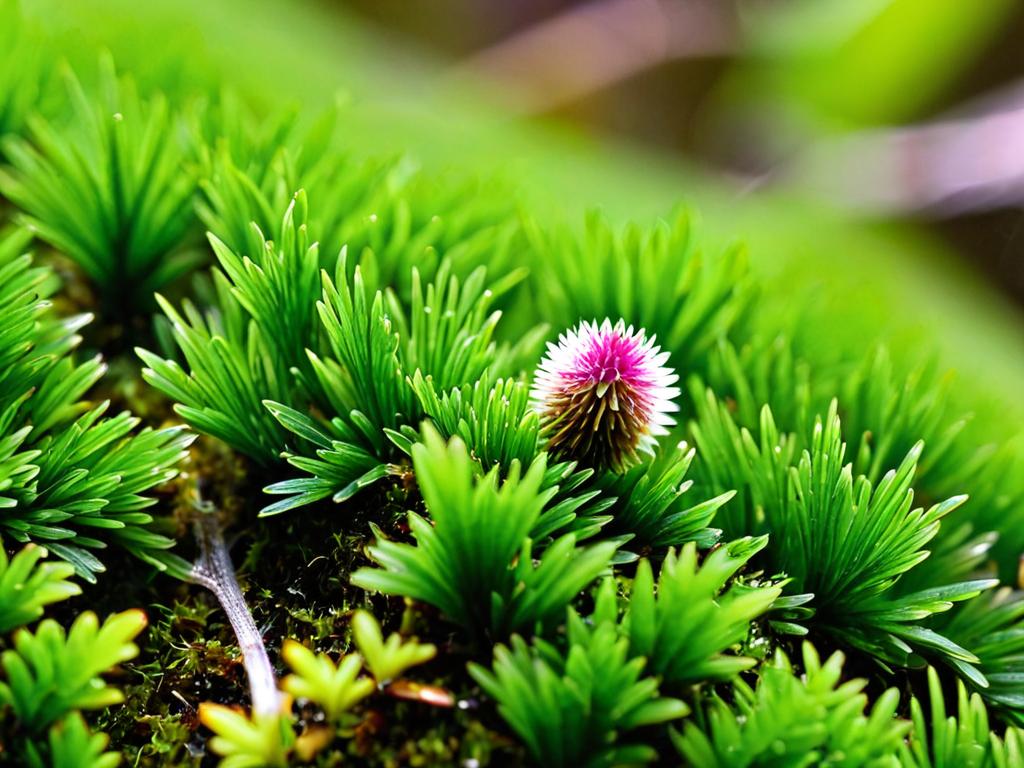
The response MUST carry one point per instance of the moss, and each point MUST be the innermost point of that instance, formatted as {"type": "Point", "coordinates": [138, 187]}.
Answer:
{"type": "Point", "coordinates": [294, 570]}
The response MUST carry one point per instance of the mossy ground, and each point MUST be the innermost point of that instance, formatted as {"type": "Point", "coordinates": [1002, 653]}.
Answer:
{"type": "Point", "coordinates": [294, 570]}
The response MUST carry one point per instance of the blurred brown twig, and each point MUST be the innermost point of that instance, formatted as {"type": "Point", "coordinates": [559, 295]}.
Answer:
{"type": "Point", "coordinates": [972, 159]}
{"type": "Point", "coordinates": [601, 43]}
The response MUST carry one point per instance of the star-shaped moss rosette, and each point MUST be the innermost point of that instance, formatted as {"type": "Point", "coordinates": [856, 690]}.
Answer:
{"type": "Point", "coordinates": [604, 393]}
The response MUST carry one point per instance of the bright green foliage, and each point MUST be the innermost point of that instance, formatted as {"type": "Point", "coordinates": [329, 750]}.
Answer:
{"type": "Point", "coordinates": [24, 75]}
{"type": "Point", "coordinates": [494, 420]}
{"type": "Point", "coordinates": [473, 558]}
{"type": "Point", "coordinates": [239, 154]}
{"type": "Point", "coordinates": [271, 350]}
{"type": "Point", "coordinates": [957, 556]}
{"type": "Point", "coordinates": [97, 470]}
{"type": "Point", "coordinates": [362, 382]}
{"type": "Point", "coordinates": [276, 283]}
{"type": "Point", "coordinates": [814, 719]}
{"type": "Point", "coordinates": [657, 279]}
{"type": "Point", "coordinates": [840, 538]}
{"type": "Point", "coordinates": [963, 739]}
{"type": "Point", "coordinates": [387, 659]}
{"type": "Point", "coordinates": [333, 688]}
{"type": "Point", "coordinates": [242, 353]}
{"type": "Point", "coordinates": [652, 505]}
{"type": "Point", "coordinates": [576, 507]}
{"type": "Point", "coordinates": [890, 414]}
{"type": "Point", "coordinates": [377, 205]}
{"type": "Point", "coordinates": [108, 187]}
{"type": "Point", "coordinates": [871, 535]}
{"type": "Point", "coordinates": [68, 476]}
{"type": "Point", "coordinates": [26, 585]}
{"type": "Point", "coordinates": [259, 742]}
{"type": "Point", "coordinates": [72, 745]}
{"type": "Point", "coordinates": [499, 426]}
{"type": "Point", "coordinates": [685, 622]}
{"type": "Point", "coordinates": [374, 348]}
{"type": "Point", "coordinates": [50, 672]}
{"type": "Point", "coordinates": [341, 467]}
{"type": "Point", "coordinates": [762, 371]}
{"type": "Point", "coordinates": [889, 409]}
{"type": "Point", "coordinates": [575, 708]}
{"type": "Point", "coordinates": [992, 627]}
{"type": "Point", "coordinates": [447, 334]}
{"type": "Point", "coordinates": [365, 343]}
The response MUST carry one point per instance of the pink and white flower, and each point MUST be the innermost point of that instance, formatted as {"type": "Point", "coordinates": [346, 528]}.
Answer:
{"type": "Point", "coordinates": [604, 393]}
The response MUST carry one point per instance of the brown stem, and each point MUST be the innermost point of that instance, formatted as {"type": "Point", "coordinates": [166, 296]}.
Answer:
{"type": "Point", "coordinates": [600, 43]}
{"type": "Point", "coordinates": [970, 160]}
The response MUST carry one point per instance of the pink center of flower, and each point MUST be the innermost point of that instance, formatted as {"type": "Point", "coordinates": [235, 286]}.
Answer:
{"type": "Point", "coordinates": [609, 358]}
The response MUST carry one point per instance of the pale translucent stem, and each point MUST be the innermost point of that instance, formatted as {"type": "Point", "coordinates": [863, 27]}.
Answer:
{"type": "Point", "coordinates": [214, 571]}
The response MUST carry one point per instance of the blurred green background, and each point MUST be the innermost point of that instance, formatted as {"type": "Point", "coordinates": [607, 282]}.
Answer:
{"type": "Point", "coordinates": [744, 111]}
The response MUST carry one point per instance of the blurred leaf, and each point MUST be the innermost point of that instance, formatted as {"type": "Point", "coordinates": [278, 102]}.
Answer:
{"type": "Point", "coordinates": [869, 61]}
